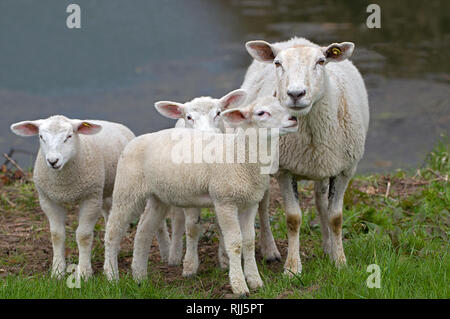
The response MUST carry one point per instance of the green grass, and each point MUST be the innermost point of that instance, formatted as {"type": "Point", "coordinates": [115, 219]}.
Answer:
{"type": "Point", "coordinates": [404, 232]}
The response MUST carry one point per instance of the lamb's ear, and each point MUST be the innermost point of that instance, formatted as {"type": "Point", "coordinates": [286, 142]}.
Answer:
{"type": "Point", "coordinates": [26, 128]}
{"type": "Point", "coordinates": [172, 110]}
{"type": "Point", "coordinates": [233, 99]}
{"type": "Point", "coordinates": [85, 127]}
{"type": "Point", "coordinates": [338, 52]}
{"type": "Point", "coordinates": [235, 116]}
{"type": "Point", "coordinates": [261, 51]}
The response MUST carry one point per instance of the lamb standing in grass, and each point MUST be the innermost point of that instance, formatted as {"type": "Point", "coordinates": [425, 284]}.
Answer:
{"type": "Point", "coordinates": [73, 167]}
{"type": "Point", "coordinates": [202, 113]}
{"type": "Point", "coordinates": [327, 93]}
{"type": "Point", "coordinates": [234, 190]}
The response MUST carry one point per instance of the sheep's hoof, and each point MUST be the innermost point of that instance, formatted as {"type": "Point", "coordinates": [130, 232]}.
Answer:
{"type": "Point", "coordinates": [340, 261]}
{"type": "Point", "coordinates": [255, 283]}
{"type": "Point", "coordinates": [292, 267]}
{"type": "Point", "coordinates": [271, 255]}
{"type": "Point", "coordinates": [57, 274]}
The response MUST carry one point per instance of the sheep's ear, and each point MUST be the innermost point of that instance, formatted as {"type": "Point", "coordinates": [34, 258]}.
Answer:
{"type": "Point", "coordinates": [26, 128]}
{"type": "Point", "coordinates": [234, 98]}
{"type": "Point", "coordinates": [172, 110]}
{"type": "Point", "coordinates": [235, 116]}
{"type": "Point", "coordinates": [85, 127]}
{"type": "Point", "coordinates": [261, 51]}
{"type": "Point", "coordinates": [338, 52]}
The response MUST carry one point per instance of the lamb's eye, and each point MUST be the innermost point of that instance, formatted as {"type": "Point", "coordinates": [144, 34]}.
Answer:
{"type": "Point", "coordinates": [321, 61]}
{"type": "Point", "coordinates": [277, 63]}
{"type": "Point", "coordinates": [67, 138]}
{"type": "Point", "coordinates": [218, 113]}
{"type": "Point", "coordinates": [261, 113]}
{"type": "Point", "coordinates": [40, 136]}
{"type": "Point", "coordinates": [189, 117]}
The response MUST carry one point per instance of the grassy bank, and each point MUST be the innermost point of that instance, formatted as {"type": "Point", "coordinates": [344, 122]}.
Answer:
{"type": "Point", "coordinates": [398, 221]}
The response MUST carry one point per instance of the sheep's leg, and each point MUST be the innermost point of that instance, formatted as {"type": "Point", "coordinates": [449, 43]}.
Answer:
{"type": "Point", "coordinates": [247, 223]}
{"type": "Point", "coordinates": [89, 212]}
{"type": "Point", "coordinates": [227, 216]}
{"type": "Point", "coordinates": [162, 236]}
{"type": "Point", "coordinates": [266, 241]}
{"type": "Point", "coordinates": [149, 223]}
{"type": "Point", "coordinates": [56, 215]}
{"type": "Point", "coordinates": [176, 244]}
{"type": "Point", "coordinates": [193, 232]}
{"type": "Point", "coordinates": [336, 192]}
{"type": "Point", "coordinates": [321, 199]}
{"type": "Point", "coordinates": [107, 203]}
{"type": "Point", "coordinates": [288, 189]}
{"type": "Point", "coordinates": [223, 258]}
{"type": "Point", "coordinates": [124, 210]}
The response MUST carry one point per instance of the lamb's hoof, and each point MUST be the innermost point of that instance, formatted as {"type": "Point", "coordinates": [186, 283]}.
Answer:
{"type": "Point", "coordinates": [57, 274]}
{"type": "Point", "coordinates": [110, 274]}
{"type": "Point", "coordinates": [187, 274]}
{"type": "Point", "coordinates": [292, 267]}
{"type": "Point", "coordinates": [241, 292]}
{"type": "Point", "coordinates": [190, 269]}
{"type": "Point", "coordinates": [139, 275]}
{"type": "Point", "coordinates": [84, 272]}
{"type": "Point", "coordinates": [273, 258]}
{"type": "Point", "coordinates": [340, 261]}
{"type": "Point", "coordinates": [255, 282]}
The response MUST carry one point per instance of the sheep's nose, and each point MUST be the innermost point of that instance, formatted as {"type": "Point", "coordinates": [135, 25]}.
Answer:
{"type": "Point", "coordinates": [295, 95]}
{"type": "Point", "coordinates": [53, 162]}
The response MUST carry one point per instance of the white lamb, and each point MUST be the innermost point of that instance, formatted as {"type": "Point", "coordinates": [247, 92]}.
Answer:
{"type": "Point", "coordinates": [202, 113]}
{"type": "Point", "coordinates": [234, 190]}
{"type": "Point", "coordinates": [331, 103]}
{"type": "Point", "coordinates": [73, 167]}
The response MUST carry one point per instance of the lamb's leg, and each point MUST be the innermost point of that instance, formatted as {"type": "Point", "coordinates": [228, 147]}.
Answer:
{"type": "Point", "coordinates": [336, 192]}
{"type": "Point", "coordinates": [223, 258]}
{"type": "Point", "coordinates": [162, 235]}
{"type": "Point", "coordinates": [149, 223]}
{"type": "Point", "coordinates": [107, 203]}
{"type": "Point", "coordinates": [193, 232]}
{"type": "Point", "coordinates": [56, 215]}
{"type": "Point", "coordinates": [124, 210]}
{"type": "Point", "coordinates": [266, 241]}
{"type": "Point", "coordinates": [321, 199]}
{"type": "Point", "coordinates": [247, 222]}
{"type": "Point", "coordinates": [227, 216]}
{"type": "Point", "coordinates": [90, 210]}
{"type": "Point", "coordinates": [176, 244]}
{"type": "Point", "coordinates": [288, 189]}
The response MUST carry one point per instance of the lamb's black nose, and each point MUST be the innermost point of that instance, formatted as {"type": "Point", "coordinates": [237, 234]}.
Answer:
{"type": "Point", "coordinates": [295, 95]}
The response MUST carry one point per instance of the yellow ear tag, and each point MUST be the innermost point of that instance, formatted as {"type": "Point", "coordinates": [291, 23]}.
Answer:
{"type": "Point", "coordinates": [336, 51]}
{"type": "Point", "coordinates": [86, 124]}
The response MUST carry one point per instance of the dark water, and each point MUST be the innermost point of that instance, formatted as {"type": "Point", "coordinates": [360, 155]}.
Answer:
{"type": "Point", "coordinates": [129, 54]}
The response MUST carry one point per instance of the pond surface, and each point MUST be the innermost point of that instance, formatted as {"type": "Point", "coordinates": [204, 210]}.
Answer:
{"type": "Point", "coordinates": [127, 55]}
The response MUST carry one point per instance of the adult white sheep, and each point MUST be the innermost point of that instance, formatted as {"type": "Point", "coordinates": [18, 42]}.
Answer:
{"type": "Point", "coordinates": [202, 113]}
{"type": "Point", "coordinates": [233, 189]}
{"type": "Point", "coordinates": [331, 103]}
{"type": "Point", "coordinates": [74, 167]}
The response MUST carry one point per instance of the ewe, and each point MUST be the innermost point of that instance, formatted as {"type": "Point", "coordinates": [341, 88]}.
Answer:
{"type": "Point", "coordinates": [330, 100]}
{"type": "Point", "coordinates": [202, 113]}
{"type": "Point", "coordinates": [233, 189]}
{"type": "Point", "coordinates": [72, 167]}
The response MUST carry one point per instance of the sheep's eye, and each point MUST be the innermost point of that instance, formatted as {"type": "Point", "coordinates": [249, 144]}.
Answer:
{"type": "Point", "coordinates": [40, 136]}
{"type": "Point", "coordinates": [189, 117]}
{"type": "Point", "coordinates": [261, 113]}
{"type": "Point", "coordinates": [218, 113]}
{"type": "Point", "coordinates": [68, 137]}
{"type": "Point", "coordinates": [321, 61]}
{"type": "Point", "coordinates": [277, 63]}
